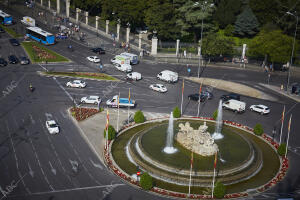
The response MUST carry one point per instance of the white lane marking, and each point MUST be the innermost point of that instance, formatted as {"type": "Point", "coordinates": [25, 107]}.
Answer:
{"type": "Point", "coordinates": [52, 168]}
{"type": "Point", "coordinates": [75, 165]}
{"type": "Point", "coordinates": [30, 171]}
{"type": "Point", "coordinates": [67, 93]}
{"type": "Point", "coordinates": [96, 165]}
{"type": "Point", "coordinates": [43, 67]}
{"type": "Point", "coordinates": [16, 158]}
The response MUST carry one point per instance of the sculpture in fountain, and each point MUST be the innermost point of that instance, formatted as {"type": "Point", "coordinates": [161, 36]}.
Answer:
{"type": "Point", "coordinates": [199, 141]}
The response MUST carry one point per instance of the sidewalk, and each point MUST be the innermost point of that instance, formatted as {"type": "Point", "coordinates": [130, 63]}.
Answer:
{"type": "Point", "coordinates": [282, 92]}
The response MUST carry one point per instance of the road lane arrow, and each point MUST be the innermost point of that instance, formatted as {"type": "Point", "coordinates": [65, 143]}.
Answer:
{"type": "Point", "coordinates": [52, 169]}
{"type": "Point", "coordinates": [96, 165]}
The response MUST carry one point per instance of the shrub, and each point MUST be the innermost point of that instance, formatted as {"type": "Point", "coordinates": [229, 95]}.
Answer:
{"type": "Point", "coordinates": [139, 117]}
{"type": "Point", "coordinates": [258, 129]}
{"type": "Point", "coordinates": [146, 181]}
{"type": "Point", "coordinates": [228, 31]}
{"type": "Point", "coordinates": [219, 190]}
{"type": "Point", "coordinates": [215, 115]}
{"type": "Point", "coordinates": [281, 149]}
{"type": "Point", "coordinates": [176, 112]}
{"type": "Point", "coordinates": [111, 133]}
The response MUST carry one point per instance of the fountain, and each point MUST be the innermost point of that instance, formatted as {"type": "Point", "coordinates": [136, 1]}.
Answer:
{"type": "Point", "coordinates": [169, 149]}
{"type": "Point", "coordinates": [217, 134]}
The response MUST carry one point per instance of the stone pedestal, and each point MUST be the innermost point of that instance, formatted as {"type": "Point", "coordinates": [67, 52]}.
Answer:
{"type": "Point", "coordinates": [68, 8]}
{"type": "Point", "coordinates": [118, 32]}
{"type": "Point", "coordinates": [97, 22]}
{"type": "Point", "coordinates": [127, 34]}
{"type": "Point", "coordinates": [177, 47]}
{"type": "Point", "coordinates": [77, 14]}
{"type": "Point", "coordinates": [86, 18]}
{"type": "Point", "coordinates": [154, 46]}
{"type": "Point", "coordinates": [57, 6]}
{"type": "Point", "coordinates": [49, 4]}
{"type": "Point", "coordinates": [106, 27]}
{"type": "Point", "coordinates": [140, 41]}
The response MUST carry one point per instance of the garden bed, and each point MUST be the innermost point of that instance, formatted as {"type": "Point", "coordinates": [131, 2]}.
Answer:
{"type": "Point", "coordinates": [81, 114]}
{"type": "Point", "coordinates": [91, 75]}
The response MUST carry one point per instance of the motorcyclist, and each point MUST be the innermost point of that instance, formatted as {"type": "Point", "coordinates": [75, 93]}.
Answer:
{"type": "Point", "coordinates": [30, 87]}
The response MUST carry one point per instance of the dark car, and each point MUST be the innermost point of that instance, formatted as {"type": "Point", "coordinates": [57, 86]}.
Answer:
{"type": "Point", "coordinates": [12, 59]}
{"type": "Point", "coordinates": [3, 62]}
{"type": "Point", "coordinates": [24, 60]}
{"type": "Point", "coordinates": [207, 94]}
{"type": "Point", "coordinates": [195, 97]}
{"type": "Point", "coordinates": [98, 50]}
{"type": "Point", "coordinates": [2, 30]}
{"type": "Point", "coordinates": [295, 88]}
{"type": "Point", "coordinates": [14, 42]}
{"type": "Point", "coordinates": [226, 97]}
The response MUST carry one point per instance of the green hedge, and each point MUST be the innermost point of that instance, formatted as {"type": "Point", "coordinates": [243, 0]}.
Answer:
{"type": "Point", "coordinates": [258, 129]}
{"type": "Point", "coordinates": [176, 112]}
{"type": "Point", "coordinates": [111, 133]}
{"type": "Point", "coordinates": [219, 190]}
{"type": "Point", "coordinates": [139, 117]}
{"type": "Point", "coordinates": [146, 181]}
{"type": "Point", "coordinates": [215, 115]}
{"type": "Point", "coordinates": [281, 149]}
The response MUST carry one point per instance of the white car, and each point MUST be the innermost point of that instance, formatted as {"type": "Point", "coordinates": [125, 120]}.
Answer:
{"type": "Point", "coordinates": [94, 59]}
{"type": "Point", "coordinates": [158, 87]}
{"type": "Point", "coordinates": [123, 67]}
{"type": "Point", "coordinates": [52, 127]}
{"type": "Point", "coordinates": [262, 109]}
{"type": "Point", "coordinates": [76, 83]}
{"type": "Point", "coordinates": [134, 76]}
{"type": "Point", "coordinates": [91, 99]}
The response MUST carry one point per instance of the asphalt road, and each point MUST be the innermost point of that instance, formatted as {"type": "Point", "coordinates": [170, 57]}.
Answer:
{"type": "Point", "coordinates": [38, 165]}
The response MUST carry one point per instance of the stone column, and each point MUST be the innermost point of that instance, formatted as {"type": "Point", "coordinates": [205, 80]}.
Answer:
{"type": "Point", "coordinates": [97, 22]}
{"type": "Point", "coordinates": [140, 41]}
{"type": "Point", "coordinates": [106, 27]}
{"type": "Point", "coordinates": [177, 46]}
{"type": "Point", "coordinates": [77, 14]}
{"type": "Point", "coordinates": [127, 34]}
{"type": "Point", "coordinates": [57, 6]}
{"type": "Point", "coordinates": [49, 4]}
{"type": "Point", "coordinates": [68, 8]}
{"type": "Point", "coordinates": [41, 2]}
{"type": "Point", "coordinates": [118, 31]}
{"type": "Point", "coordinates": [154, 46]}
{"type": "Point", "coordinates": [87, 18]}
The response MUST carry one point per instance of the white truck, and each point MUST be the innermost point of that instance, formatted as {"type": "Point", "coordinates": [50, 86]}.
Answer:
{"type": "Point", "coordinates": [123, 67]}
{"type": "Point", "coordinates": [28, 21]}
{"type": "Point", "coordinates": [234, 105]}
{"type": "Point", "coordinates": [168, 76]}
{"type": "Point", "coordinates": [120, 60]}
{"type": "Point", "coordinates": [134, 59]}
{"type": "Point", "coordinates": [134, 76]}
{"type": "Point", "coordinates": [123, 102]}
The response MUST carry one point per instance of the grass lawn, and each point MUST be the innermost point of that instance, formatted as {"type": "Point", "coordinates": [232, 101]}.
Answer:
{"type": "Point", "coordinates": [39, 53]}
{"type": "Point", "coordinates": [92, 75]}
{"type": "Point", "coordinates": [11, 31]}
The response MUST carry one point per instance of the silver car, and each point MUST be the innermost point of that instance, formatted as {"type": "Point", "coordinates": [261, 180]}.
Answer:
{"type": "Point", "coordinates": [24, 60]}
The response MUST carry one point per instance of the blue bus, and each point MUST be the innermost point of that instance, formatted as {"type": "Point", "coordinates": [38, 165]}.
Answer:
{"type": "Point", "coordinates": [40, 35]}
{"type": "Point", "coordinates": [5, 18]}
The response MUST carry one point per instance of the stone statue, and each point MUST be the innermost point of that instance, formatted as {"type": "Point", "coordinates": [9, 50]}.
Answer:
{"type": "Point", "coordinates": [199, 141]}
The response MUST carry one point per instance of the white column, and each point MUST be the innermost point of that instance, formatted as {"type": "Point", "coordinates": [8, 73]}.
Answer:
{"type": "Point", "coordinates": [177, 46]}
{"type": "Point", "coordinates": [106, 27]}
{"type": "Point", "coordinates": [140, 41]}
{"type": "Point", "coordinates": [41, 2]}
{"type": "Point", "coordinates": [154, 46]}
{"type": "Point", "coordinates": [97, 22]}
{"type": "Point", "coordinates": [86, 17]}
{"type": "Point", "coordinates": [118, 31]}
{"type": "Point", "coordinates": [57, 6]}
{"type": "Point", "coordinates": [77, 14]}
{"type": "Point", "coordinates": [127, 34]}
{"type": "Point", "coordinates": [68, 8]}
{"type": "Point", "coordinates": [49, 4]}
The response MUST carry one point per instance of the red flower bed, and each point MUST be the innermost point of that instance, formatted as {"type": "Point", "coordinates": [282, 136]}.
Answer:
{"type": "Point", "coordinates": [83, 113]}
{"type": "Point", "coordinates": [42, 54]}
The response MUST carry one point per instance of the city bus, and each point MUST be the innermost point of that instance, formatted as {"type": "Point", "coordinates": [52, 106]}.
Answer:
{"type": "Point", "coordinates": [5, 18]}
{"type": "Point", "coordinates": [40, 35]}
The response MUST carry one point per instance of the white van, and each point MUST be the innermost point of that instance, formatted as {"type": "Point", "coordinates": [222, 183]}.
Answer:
{"type": "Point", "coordinates": [120, 60]}
{"type": "Point", "coordinates": [134, 59]}
{"type": "Point", "coordinates": [234, 105]}
{"type": "Point", "coordinates": [168, 76]}
{"type": "Point", "coordinates": [134, 76]}
{"type": "Point", "coordinates": [123, 67]}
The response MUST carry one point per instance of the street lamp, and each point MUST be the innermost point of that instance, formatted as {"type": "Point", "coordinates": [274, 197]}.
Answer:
{"type": "Point", "coordinates": [288, 80]}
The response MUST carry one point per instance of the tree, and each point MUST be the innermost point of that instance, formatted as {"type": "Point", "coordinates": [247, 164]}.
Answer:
{"type": "Point", "coordinates": [139, 117]}
{"type": "Point", "coordinates": [190, 16]}
{"type": "Point", "coordinates": [274, 45]}
{"type": "Point", "coordinates": [111, 133]}
{"type": "Point", "coordinates": [281, 149]}
{"type": "Point", "coordinates": [215, 45]}
{"type": "Point", "coordinates": [266, 11]}
{"type": "Point", "coordinates": [258, 129]}
{"type": "Point", "coordinates": [176, 112]}
{"type": "Point", "coordinates": [146, 181]}
{"type": "Point", "coordinates": [246, 23]}
{"type": "Point", "coordinates": [226, 12]}
{"type": "Point", "coordinates": [219, 190]}
{"type": "Point", "coordinates": [215, 115]}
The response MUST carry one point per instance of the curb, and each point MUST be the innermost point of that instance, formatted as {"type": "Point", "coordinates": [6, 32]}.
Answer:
{"type": "Point", "coordinates": [278, 91]}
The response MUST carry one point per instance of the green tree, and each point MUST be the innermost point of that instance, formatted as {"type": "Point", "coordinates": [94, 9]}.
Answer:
{"type": "Point", "coordinates": [246, 23]}
{"type": "Point", "coordinates": [228, 31]}
{"type": "Point", "coordinates": [219, 190]}
{"type": "Point", "coordinates": [176, 112]}
{"type": "Point", "coordinates": [266, 11]}
{"type": "Point", "coordinates": [226, 12]}
{"type": "Point", "coordinates": [258, 129]}
{"type": "Point", "coordinates": [146, 181]}
{"type": "Point", "coordinates": [215, 115]}
{"type": "Point", "coordinates": [281, 149]}
{"type": "Point", "coordinates": [215, 45]}
{"type": "Point", "coordinates": [139, 117]}
{"type": "Point", "coordinates": [111, 133]}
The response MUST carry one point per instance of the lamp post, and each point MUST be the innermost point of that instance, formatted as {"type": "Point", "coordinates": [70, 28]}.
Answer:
{"type": "Point", "coordinates": [295, 34]}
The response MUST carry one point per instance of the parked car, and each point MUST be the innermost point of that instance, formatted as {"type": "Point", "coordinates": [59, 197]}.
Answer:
{"type": "Point", "coordinates": [134, 76]}
{"type": "Point", "coordinates": [12, 59]}
{"type": "Point", "coordinates": [52, 127]}
{"type": "Point", "coordinates": [98, 50]}
{"type": "Point", "coordinates": [295, 88]}
{"type": "Point", "coordinates": [158, 88]}
{"type": "Point", "coordinates": [91, 100]}
{"type": "Point", "coordinates": [3, 62]}
{"type": "Point", "coordinates": [76, 83]}
{"type": "Point", "coordinates": [14, 42]}
{"type": "Point", "coordinates": [24, 60]}
{"type": "Point", "coordinates": [195, 97]}
{"type": "Point", "coordinates": [262, 109]}
{"type": "Point", "coordinates": [94, 59]}
{"type": "Point", "coordinates": [226, 97]}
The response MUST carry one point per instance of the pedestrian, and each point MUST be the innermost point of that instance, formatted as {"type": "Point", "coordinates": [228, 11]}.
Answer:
{"type": "Point", "coordinates": [101, 67]}
{"type": "Point", "coordinates": [189, 70]}
{"type": "Point", "coordinates": [271, 67]}
{"type": "Point", "coordinates": [141, 54]}
{"type": "Point", "coordinates": [184, 53]}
